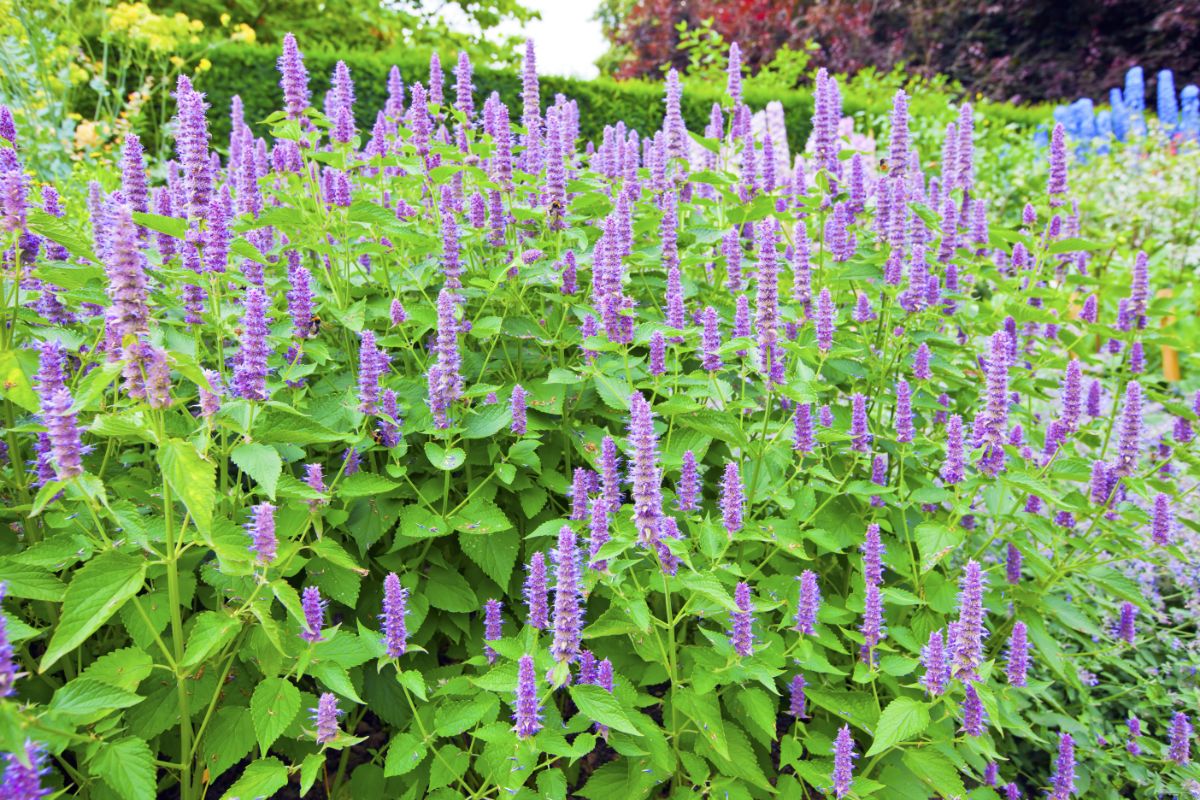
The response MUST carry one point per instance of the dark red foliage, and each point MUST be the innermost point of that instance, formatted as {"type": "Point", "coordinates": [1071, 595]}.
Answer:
{"type": "Point", "coordinates": [1008, 49]}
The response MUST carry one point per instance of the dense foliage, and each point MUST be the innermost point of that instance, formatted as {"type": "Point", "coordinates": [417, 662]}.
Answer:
{"type": "Point", "coordinates": [462, 458]}
{"type": "Point", "coordinates": [1020, 50]}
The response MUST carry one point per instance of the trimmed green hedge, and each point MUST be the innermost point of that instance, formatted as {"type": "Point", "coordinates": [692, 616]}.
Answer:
{"type": "Point", "coordinates": [249, 71]}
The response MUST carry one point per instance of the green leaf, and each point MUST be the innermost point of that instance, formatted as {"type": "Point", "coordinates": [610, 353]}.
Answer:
{"type": "Point", "coordinates": [903, 719]}
{"type": "Point", "coordinates": [450, 591]}
{"type": "Point", "coordinates": [17, 368]}
{"type": "Point", "coordinates": [191, 478]}
{"type": "Point", "coordinates": [127, 766]}
{"type": "Point", "coordinates": [936, 771]}
{"type": "Point", "coordinates": [495, 553]}
{"type": "Point", "coordinates": [487, 421]}
{"type": "Point", "coordinates": [30, 582]}
{"type": "Point", "coordinates": [936, 540]}
{"type": "Point", "coordinates": [60, 230]}
{"type": "Point", "coordinates": [365, 484]}
{"type": "Point", "coordinates": [124, 668]}
{"type": "Point", "coordinates": [171, 226]}
{"type": "Point", "coordinates": [705, 710]}
{"type": "Point", "coordinates": [262, 778]}
{"type": "Point", "coordinates": [274, 705]}
{"type": "Point", "coordinates": [599, 704]}
{"type": "Point", "coordinates": [228, 739]}
{"type": "Point", "coordinates": [759, 709]}
{"type": "Point", "coordinates": [443, 459]}
{"type": "Point", "coordinates": [260, 462]}
{"type": "Point", "coordinates": [481, 517]}
{"type": "Point", "coordinates": [405, 753]}
{"type": "Point", "coordinates": [457, 717]}
{"type": "Point", "coordinates": [210, 631]}
{"type": "Point", "coordinates": [83, 697]}
{"type": "Point", "coordinates": [96, 592]}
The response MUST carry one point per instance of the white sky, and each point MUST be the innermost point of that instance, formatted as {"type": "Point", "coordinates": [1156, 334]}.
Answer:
{"type": "Point", "coordinates": [567, 39]}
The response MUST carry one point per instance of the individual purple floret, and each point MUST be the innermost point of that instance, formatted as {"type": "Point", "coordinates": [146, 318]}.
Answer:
{"type": "Point", "coordinates": [741, 634]}
{"type": "Point", "coordinates": [527, 711]}
{"type": "Point", "coordinates": [325, 715]}
{"type": "Point", "coordinates": [395, 608]}
{"type": "Point", "coordinates": [314, 614]}
{"type": "Point", "coordinates": [262, 532]}
{"type": "Point", "coordinates": [536, 592]}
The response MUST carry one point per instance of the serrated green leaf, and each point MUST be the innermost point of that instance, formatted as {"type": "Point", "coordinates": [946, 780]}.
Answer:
{"type": "Point", "coordinates": [262, 778]}
{"type": "Point", "coordinates": [601, 706]}
{"type": "Point", "coordinates": [903, 719]}
{"type": "Point", "coordinates": [83, 697]}
{"type": "Point", "coordinates": [405, 753]}
{"type": "Point", "coordinates": [210, 631]}
{"type": "Point", "coordinates": [191, 478]}
{"type": "Point", "coordinates": [365, 484]}
{"type": "Point", "coordinates": [261, 462]}
{"type": "Point", "coordinates": [935, 771]}
{"type": "Point", "coordinates": [124, 668]}
{"type": "Point", "coordinates": [495, 553]}
{"type": "Point", "coordinates": [96, 592]}
{"type": "Point", "coordinates": [127, 766]}
{"type": "Point", "coordinates": [273, 706]}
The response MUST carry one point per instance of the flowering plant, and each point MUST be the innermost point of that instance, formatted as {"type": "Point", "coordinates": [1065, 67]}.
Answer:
{"type": "Point", "coordinates": [537, 468]}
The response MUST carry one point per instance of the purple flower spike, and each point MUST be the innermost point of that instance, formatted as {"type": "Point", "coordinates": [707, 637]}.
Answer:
{"type": "Point", "coordinates": [1056, 186]}
{"type": "Point", "coordinates": [444, 378]}
{"type": "Point", "coordinates": [517, 405]}
{"type": "Point", "coordinates": [826, 314]}
{"type": "Point", "coordinates": [904, 418]}
{"type": "Point", "coordinates": [858, 424]}
{"type": "Point", "coordinates": [973, 713]}
{"type": "Point", "coordinates": [798, 703]}
{"type": "Point", "coordinates": [370, 368]}
{"type": "Point", "coordinates": [262, 533]}
{"type": "Point", "coordinates": [1181, 739]}
{"type": "Point", "coordinates": [733, 499]}
{"type": "Point", "coordinates": [1012, 564]}
{"type": "Point", "coordinates": [527, 713]}
{"type": "Point", "coordinates": [802, 431]}
{"type": "Point", "coordinates": [314, 614]}
{"type": "Point", "coordinates": [1063, 784]}
{"type": "Point", "coordinates": [610, 475]}
{"type": "Point", "coordinates": [597, 533]}
{"type": "Point", "coordinates": [493, 627]}
{"type": "Point", "coordinates": [1127, 623]}
{"type": "Point", "coordinates": [953, 468]}
{"type": "Point", "coordinates": [710, 340]}
{"type": "Point", "coordinates": [741, 636]}
{"type": "Point", "coordinates": [843, 762]}
{"type": "Point", "coordinates": [536, 592]}
{"type": "Point", "coordinates": [688, 488]}
{"type": "Point", "coordinates": [1012, 792]}
{"type": "Point", "coordinates": [1130, 444]}
{"type": "Point", "coordinates": [314, 478]}
{"type": "Point", "coordinates": [568, 615]}
{"type": "Point", "coordinates": [809, 604]}
{"type": "Point", "coordinates": [395, 608]}
{"type": "Point", "coordinates": [1018, 655]}
{"type": "Point", "coordinates": [8, 668]}
{"type": "Point", "coordinates": [1163, 520]}
{"type": "Point", "coordinates": [62, 429]}
{"type": "Point", "coordinates": [250, 366]}
{"type": "Point", "coordinates": [326, 717]}
{"type": "Point", "coordinates": [644, 472]}
{"type": "Point", "coordinates": [921, 369]}
{"type": "Point", "coordinates": [937, 670]}
{"type": "Point", "coordinates": [294, 78]}
{"type": "Point", "coordinates": [967, 653]}
{"type": "Point", "coordinates": [22, 782]}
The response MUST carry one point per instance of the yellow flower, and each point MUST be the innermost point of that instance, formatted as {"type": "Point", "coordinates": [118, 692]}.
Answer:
{"type": "Point", "coordinates": [86, 136]}
{"type": "Point", "coordinates": [204, 66]}
{"type": "Point", "coordinates": [225, 20]}
{"type": "Point", "coordinates": [243, 33]}
{"type": "Point", "coordinates": [176, 61]}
